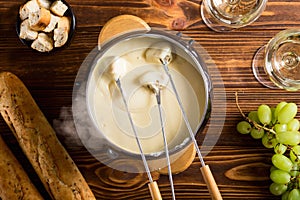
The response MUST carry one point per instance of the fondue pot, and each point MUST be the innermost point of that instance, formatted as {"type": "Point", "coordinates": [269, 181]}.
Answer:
{"type": "Point", "coordinates": [100, 117]}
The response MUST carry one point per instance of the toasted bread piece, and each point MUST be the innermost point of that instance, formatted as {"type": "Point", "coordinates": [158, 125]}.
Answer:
{"type": "Point", "coordinates": [60, 37]}
{"type": "Point", "coordinates": [26, 32]}
{"type": "Point", "coordinates": [59, 8]}
{"type": "Point", "coordinates": [43, 43]}
{"type": "Point", "coordinates": [44, 3]}
{"type": "Point", "coordinates": [52, 24]}
{"type": "Point", "coordinates": [28, 7]}
{"type": "Point", "coordinates": [39, 19]}
{"type": "Point", "coordinates": [61, 33]}
{"type": "Point", "coordinates": [64, 22]}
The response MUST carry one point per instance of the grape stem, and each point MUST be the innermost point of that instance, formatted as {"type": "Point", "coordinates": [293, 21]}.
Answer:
{"type": "Point", "coordinates": [256, 125]}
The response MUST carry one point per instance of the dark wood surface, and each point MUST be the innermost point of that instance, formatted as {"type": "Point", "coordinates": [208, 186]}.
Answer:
{"type": "Point", "coordinates": [240, 164]}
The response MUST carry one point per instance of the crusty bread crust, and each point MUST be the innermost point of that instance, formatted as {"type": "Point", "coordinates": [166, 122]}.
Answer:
{"type": "Point", "coordinates": [52, 24]}
{"type": "Point", "coordinates": [40, 19]}
{"type": "Point", "coordinates": [14, 182]}
{"type": "Point", "coordinates": [64, 22]}
{"type": "Point", "coordinates": [54, 166]}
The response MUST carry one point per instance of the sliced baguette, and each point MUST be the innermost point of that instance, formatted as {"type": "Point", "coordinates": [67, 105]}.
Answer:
{"type": "Point", "coordinates": [59, 8]}
{"type": "Point", "coordinates": [26, 32]}
{"type": "Point", "coordinates": [52, 24]}
{"type": "Point", "coordinates": [39, 19]}
{"type": "Point", "coordinates": [44, 3]}
{"type": "Point", "coordinates": [61, 33]}
{"type": "Point", "coordinates": [28, 7]}
{"type": "Point", "coordinates": [14, 182]}
{"type": "Point", "coordinates": [43, 43]}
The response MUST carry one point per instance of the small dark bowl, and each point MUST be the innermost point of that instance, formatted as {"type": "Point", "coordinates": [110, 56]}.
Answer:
{"type": "Point", "coordinates": [69, 13]}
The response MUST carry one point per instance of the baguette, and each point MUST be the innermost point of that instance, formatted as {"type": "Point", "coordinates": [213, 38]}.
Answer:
{"type": "Point", "coordinates": [54, 166]}
{"type": "Point", "coordinates": [43, 43]}
{"type": "Point", "coordinates": [61, 33]}
{"type": "Point", "coordinates": [25, 31]}
{"type": "Point", "coordinates": [14, 182]}
{"type": "Point", "coordinates": [52, 24]}
{"type": "Point", "coordinates": [59, 8]}
{"type": "Point", "coordinates": [28, 7]}
{"type": "Point", "coordinates": [44, 3]}
{"type": "Point", "coordinates": [39, 19]}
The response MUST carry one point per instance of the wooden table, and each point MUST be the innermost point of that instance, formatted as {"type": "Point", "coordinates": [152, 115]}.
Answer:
{"type": "Point", "coordinates": [239, 163]}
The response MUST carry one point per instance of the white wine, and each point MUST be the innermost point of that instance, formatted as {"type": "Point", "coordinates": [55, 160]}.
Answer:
{"type": "Point", "coordinates": [282, 59]}
{"type": "Point", "coordinates": [225, 15]}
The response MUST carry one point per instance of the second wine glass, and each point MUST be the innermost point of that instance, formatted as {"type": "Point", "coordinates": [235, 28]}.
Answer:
{"type": "Point", "coordinates": [227, 15]}
{"type": "Point", "coordinates": [277, 64]}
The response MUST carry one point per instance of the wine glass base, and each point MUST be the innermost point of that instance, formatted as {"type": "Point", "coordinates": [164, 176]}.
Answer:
{"type": "Point", "coordinates": [211, 22]}
{"type": "Point", "coordinates": [258, 68]}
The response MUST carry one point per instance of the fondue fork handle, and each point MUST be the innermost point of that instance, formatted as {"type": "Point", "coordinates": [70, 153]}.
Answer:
{"type": "Point", "coordinates": [211, 183]}
{"type": "Point", "coordinates": [154, 191]}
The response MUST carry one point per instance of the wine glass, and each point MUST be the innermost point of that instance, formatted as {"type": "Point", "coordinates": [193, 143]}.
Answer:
{"type": "Point", "coordinates": [277, 64]}
{"type": "Point", "coordinates": [226, 15]}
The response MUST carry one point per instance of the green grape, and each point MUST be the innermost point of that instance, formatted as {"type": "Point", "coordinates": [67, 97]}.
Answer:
{"type": "Point", "coordinates": [285, 195]}
{"type": "Point", "coordinates": [288, 137]}
{"type": "Point", "coordinates": [280, 148]}
{"type": "Point", "coordinates": [252, 115]}
{"type": "Point", "coordinates": [272, 168]}
{"type": "Point", "coordinates": [287, 113]}
{"type": "Point", "coordinates": [268, 141]}
{"type": "Point", "coordinates": [278, 108]}
{"type": "Point", "coordinates": [280, 177]}
{"type": "Point", "coordinates": [294, 194]}
{"type": "Point", "coordinates": [280, 128]}
{"type": "Point", "coordinates": [295, 170]}
{"type": "Point", "coordinates": [293, 125]}
{"type": "Point", "coordinates": [243, 127]}
{"type": "Point", "coordinates": [264, 114]}
{"type": "Point", "coordinates": [257, 133]}
{"type": "Point", "coordinates": [282, 162]}
{"type": "Point", "coordinates": [295, 154]}
{"type": "Point", "coordinates": [277, 189]}
{"type": "Point", "coordinates": [274, 119]}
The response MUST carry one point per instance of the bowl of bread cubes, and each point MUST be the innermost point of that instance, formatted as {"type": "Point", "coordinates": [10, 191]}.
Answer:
{"type": "Point", "coordinates": [45, 25]}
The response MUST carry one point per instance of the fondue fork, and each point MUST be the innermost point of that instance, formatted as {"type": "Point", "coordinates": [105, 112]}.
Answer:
{"type": "Point", "coordinates": [156, 87]}
{"type": "Point", "coordinates": [162, 53]}
{"type": "Point", "coordinates": [119, 69]}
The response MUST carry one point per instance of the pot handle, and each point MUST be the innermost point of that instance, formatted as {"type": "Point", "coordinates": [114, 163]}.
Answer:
{"type": "Point", "coordinates": [120, 25]}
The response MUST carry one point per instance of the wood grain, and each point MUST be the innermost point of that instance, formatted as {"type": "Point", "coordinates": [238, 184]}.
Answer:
{"type": "Point", "coordinates": [239, 163]}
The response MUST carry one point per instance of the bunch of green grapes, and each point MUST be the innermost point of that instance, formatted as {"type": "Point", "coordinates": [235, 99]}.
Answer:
{"type": "Point", "coordinates": [278, 129]}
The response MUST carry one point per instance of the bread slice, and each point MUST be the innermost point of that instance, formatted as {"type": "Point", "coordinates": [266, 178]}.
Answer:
{"type": "Point", "coordinates": [26, 32]}
{"type": "Point", "coordinates": [43, 43]}
{"type": "Point", "coordinates": [14, 182]}
{"type": "Point", "coordinates": [39, 19]}
{"type": "Point", "coordinates": [59, 8]}
{"type": "Point", "coordinates": [28, 7]}
{"type": "Point", "coordinates": [64, 22]}
{"type": "Point", "coordinates": [52, 24]}
{"type": "Point", "coordinates": [61, 33]}
{"type": "Point", "coordinates": [44, 3]}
